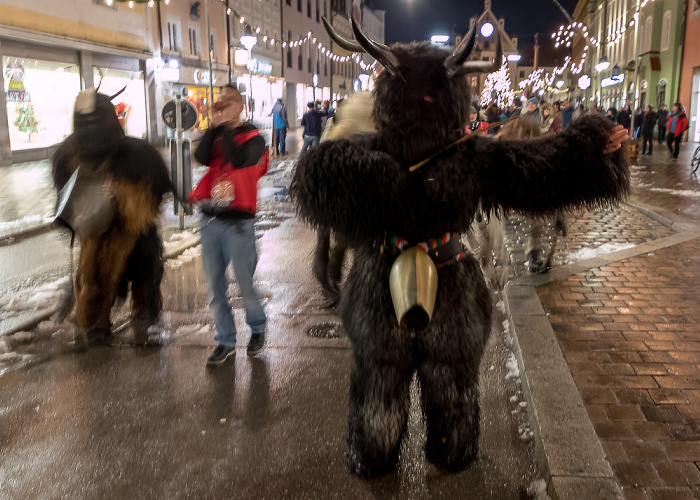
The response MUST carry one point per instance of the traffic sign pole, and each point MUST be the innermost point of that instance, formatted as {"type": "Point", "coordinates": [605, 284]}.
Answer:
{"type": "Point", "coordinates": [180, 169]}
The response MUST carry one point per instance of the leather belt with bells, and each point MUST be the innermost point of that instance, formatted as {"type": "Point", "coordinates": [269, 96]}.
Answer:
{"type": "Point", "coordinates": [445, 252]}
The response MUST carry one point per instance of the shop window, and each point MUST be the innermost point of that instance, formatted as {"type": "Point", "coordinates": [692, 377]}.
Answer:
{"type": "Point", "coordinates": [308, 8]}
{"type": "Point", "coordinates": [666, 31]}
{"type": "Point", "coordinates": [194, 41]}
{"type": "Point", "coordinates": [39, 96]}
{"type": "Point", "coordinates": [174, 36]}
{"type": "Point", "coordinates": [522, 74]}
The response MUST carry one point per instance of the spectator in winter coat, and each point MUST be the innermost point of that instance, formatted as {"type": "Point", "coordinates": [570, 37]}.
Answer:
{"type": "Point", "coordinates": [514, 109]}
{"type": "Point", "coordinates": [648, 129]}
{"type": "Point", "coordinates": [567, 113]}
{"type": "Point", "coordinates": [638, 117]}
{"type": "Point", "coordinates": [677, 124]}
{"type": "Point", "coordinates": [533, 112]}
{"type": "Point", "coordinates": [281, 124]}
{"type": "Point", "coordinates": [549, 124]}
{"type": "Point", "coordinates": [662, 118]}
{"type": "Point", "coordinates": [313, 127]}
{"type": "Point", "coordinates": [624, 117]}
{"type": "Point", "coordinates": [475, 123]}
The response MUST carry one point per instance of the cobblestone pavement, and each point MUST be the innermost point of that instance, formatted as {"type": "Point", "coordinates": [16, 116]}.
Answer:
{"type": "Point", "coordinates": [630, 332]}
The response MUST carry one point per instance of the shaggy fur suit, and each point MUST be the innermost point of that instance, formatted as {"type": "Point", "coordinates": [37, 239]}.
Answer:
{"type": "Point", "coordinates": [130, 251]}
{"type": "Point", "coordinates": [362, 188]}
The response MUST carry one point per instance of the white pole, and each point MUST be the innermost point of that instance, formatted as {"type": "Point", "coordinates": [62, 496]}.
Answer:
{"type": "Point", "coordinates": [636, 66]}
{"type": "Point", "coordinates": [211, 73]}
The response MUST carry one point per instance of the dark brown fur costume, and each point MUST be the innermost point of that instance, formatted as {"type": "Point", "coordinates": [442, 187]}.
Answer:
{"type": "Point", "coordinates": [361, 187]}
{"type": "Point", "coordinates": [131, 250]}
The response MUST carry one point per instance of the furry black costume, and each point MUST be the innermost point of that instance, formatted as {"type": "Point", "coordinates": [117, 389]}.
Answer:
{"type": "Point", "coordinates": [362, 188]}
{"type": "Point", "coordinates": [131, 249]}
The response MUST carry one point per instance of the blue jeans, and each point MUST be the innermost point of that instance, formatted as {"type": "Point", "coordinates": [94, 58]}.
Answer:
{"type": "Point", "coordinates": [224, 242]}
{"type": "Point", "coordinates": [309, 140]}
{"type": "Point", "coordinates": [280, 140]}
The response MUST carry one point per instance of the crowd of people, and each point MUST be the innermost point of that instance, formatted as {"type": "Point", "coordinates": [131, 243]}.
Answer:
{"type": "Point", "coordinates": [556, 116]}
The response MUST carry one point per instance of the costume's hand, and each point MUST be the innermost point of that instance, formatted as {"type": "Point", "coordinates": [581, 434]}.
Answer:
{"type": "Point", "coordinates": [616, 138]}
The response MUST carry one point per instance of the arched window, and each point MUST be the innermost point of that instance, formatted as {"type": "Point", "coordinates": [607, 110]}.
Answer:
{"type": "Point", "coordinates": [648, 27]}
{"type": "Point", "coordinates": [666, 31]}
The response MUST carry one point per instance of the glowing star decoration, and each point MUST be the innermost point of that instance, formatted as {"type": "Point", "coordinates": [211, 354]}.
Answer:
{"type": "Point", "coordinates": [497, 88]}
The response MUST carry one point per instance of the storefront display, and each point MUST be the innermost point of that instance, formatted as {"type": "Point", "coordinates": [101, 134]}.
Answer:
{"type": "Point", "coordinates": [39, 97]}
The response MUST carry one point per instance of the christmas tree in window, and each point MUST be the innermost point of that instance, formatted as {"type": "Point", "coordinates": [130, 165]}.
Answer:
{"type": "Point", "coordinates": [26, 120]}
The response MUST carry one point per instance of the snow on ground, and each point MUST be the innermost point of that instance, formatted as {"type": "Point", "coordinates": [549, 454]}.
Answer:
{"type": "Point", "coordinates": [29, 220]}
{"type": "Point", "coordinates": [512, 367]}
{"type": "Point", "coordinates": [590, 253]}
{"type": "Point", "coordinates": [679, 192]}
{"type": "Point", "coordinates": [43, 297]}
{"type": "Point", "coordinates": [187, 256]}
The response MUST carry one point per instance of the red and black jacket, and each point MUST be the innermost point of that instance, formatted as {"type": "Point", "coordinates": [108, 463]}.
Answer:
{"type": "Point", "coordinates": [239, 154]}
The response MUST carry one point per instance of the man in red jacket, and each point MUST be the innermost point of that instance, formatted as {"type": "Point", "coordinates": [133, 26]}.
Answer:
{"type": "Point", "coordinates": [227, 197]}
{"type": "Point", "coordinates": [676, 125]}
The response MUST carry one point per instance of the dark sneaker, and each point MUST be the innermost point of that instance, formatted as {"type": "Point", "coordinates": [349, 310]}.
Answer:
{"type": "Point", "coordinates": [257, 341]}
{"type": "Point", "coordinates": [220, 354]}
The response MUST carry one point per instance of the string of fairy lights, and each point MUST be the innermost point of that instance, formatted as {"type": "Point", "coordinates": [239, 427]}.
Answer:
{"type": "Point", "coordinates": [309, 38]}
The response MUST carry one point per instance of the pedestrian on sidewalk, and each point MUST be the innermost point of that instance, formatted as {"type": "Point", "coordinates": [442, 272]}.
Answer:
{"type": "Point", "coordinates": [281, 124]}
{"type": "Point", "coordinates": [624, 117]}
{"type": "Point", "coordinates": [313, 127]}
{"type": "Point", "coordinates": [662, 118]}
{"type": "Point", "coordinates": [648, 122]}
{"type": "Point", "coordinates": [677, 124]}
{"type": "Point", "coordinates": [227, 196]}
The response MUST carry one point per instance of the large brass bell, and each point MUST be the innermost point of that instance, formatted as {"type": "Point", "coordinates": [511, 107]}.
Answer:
{"type": "Point", "coordinates": [413, 285]}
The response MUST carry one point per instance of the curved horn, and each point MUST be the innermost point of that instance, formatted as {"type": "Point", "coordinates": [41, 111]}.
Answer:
{"type": "Point", "coordinates": [461, 53]}
{"type": "Point", "coordinates": [484, 66]}
{"type": "Point", "coordinates": [343, 43]}
{"type": "Point", "coordinates": [122, 90]}
{"type": "Point", "coordinates": [379, 51]}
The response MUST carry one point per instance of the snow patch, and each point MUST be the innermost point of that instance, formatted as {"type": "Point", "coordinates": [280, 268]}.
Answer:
{"type": "Point", "coordinates": [501, 306]}
{"type": "Point", "coordinates": [538, 490]}
{"type": "Point", "coordinates": [26, 221]}
{"type": "Point", "coordinates": [23, 337]}
{"type": "Point", "coordinates": [679, 192]}
{"type": "Point", "coordinates": [43, 297]}
{"type": "Point", "coordinates": [590, 253]}
{"type": "Point", "coordinates": [512, 367]}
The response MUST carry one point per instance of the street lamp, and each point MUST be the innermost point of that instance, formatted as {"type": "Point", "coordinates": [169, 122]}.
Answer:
{"type": "Point", "coordinates": [248, 40]}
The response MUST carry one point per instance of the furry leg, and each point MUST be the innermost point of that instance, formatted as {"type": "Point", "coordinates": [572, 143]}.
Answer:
{"type": "Point", "coordinates": [450, 396]}
{"type": "Point", "coordinates": [320, 265]}
{"type": "Point", "coordinates": [102, 264]}
{"type": "Point", "coordinates": [378, 415]}
{"type": "Point", "coordinates": [335, 263]}
{"type": "Point", "coordinates": [145, 271]}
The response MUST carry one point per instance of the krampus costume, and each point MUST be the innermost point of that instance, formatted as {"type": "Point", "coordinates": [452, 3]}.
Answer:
{"type": "Point", "coordinates": [128, 248]}
{"type": "Point", "coordinates": [376, 190]}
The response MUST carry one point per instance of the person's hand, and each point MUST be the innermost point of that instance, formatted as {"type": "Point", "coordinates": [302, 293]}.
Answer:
{"type": "Point", "coordinates": [615, 139]}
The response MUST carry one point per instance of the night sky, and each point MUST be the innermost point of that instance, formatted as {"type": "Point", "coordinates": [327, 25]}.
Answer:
{"type": "Point", "coordinates": [408, 20]}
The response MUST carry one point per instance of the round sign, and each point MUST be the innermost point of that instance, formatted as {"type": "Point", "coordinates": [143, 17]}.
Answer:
{"type": "Point", "coordinates": [189, 114]}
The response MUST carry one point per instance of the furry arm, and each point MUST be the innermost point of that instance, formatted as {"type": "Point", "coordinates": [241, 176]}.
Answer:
{"type": "Point", "coordinates": [568, 170]}
{"type": "Point", "coordinates": [344, 184]}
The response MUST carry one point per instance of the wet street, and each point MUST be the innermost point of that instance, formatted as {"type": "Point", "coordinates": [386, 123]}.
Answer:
{"type": "Point", "coordinates": [151, 422]}
{"type": "Point", "coordinates": [135, 421]}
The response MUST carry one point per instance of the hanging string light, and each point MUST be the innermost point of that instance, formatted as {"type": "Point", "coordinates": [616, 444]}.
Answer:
{"type": "Point", "coordinates": [309, 38]}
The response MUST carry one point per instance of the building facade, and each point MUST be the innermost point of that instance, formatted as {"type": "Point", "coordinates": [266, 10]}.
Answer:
{"type": "Point", "coordinates": [649, 50]}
